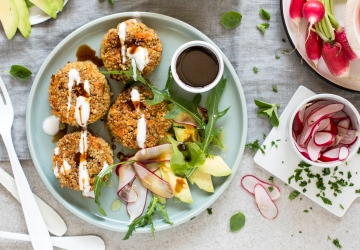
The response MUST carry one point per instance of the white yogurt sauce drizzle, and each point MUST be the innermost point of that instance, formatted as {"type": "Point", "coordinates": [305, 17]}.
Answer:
{"type": "Point", "coordinates": [84, 184]}
{"type": "Point", "coordinates": [67, 167]}
{"type": "Point", "coordinates": [141, 132]}
{"type": "Point", "coordinates": [135, 98]}
{"type": "Point", "coordinates": [51, 125]}
{"type": "Point", "coordinates": [133, 64]}
{"type": "Point", "coordinates": [122, 35]}
{"type": "Point", "coordinates": [141, 56]}
{"type": "Point", "coordinates": [56, 151]}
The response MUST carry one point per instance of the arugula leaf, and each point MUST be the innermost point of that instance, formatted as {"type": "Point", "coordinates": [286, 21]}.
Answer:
{"type": "Point", "coordinates": [231, 19]}
{"type": "Point", "coordinates": [264, 14]}
{"type": "Point", "coordinates": [294, 194]}
{"type": "Point", "coordinates": [183, 165]}
{"type": "Point", "coordinates": [237, 221]}
{"type": "Point", "coordinates": [212, 104]}
{"type": "Point", "coordinates": [19, 72]}
{"type": "Point", "coordinates": [147, 218]}
{"type": "Point", "coordinates": [263, 27]}
{"type": "Point", "coordinates": [100, 182]}
{"type": "Point", "coordinates": [270, 110]}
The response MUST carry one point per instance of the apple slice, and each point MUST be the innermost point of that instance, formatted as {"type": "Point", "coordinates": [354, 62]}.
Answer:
{"type": "Point", "coordinates": [9, 17]}
{"type": "Point", "coordinates": [47, 6]}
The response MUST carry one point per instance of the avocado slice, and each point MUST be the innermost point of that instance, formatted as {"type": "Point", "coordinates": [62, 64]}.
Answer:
{"type": "Point", "coordinates": [179, 185]}
{"type": "Point", "coordinates": [202, 180]}
{"type": "Point", "coordinates": [185, 133]}
{"type": "Point", "coordinates": [59, 4]}
{"type": "Point", "coordinates": [9, 17]}
{"type": "Point", "coordinates": [24, 18]}
{"type": "Point", "coordinates": [48, 6]}
{"type": "Point", "coordinates": [215, 166]}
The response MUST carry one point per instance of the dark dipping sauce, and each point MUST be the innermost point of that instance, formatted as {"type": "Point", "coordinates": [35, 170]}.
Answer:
{"type": "Point", "coordinates": [85, 53]}
{"type": "Point", "coordinates": [197, 66]}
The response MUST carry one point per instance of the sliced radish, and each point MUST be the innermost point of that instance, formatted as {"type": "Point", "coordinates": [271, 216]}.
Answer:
{"type": "Point", "coordinates": [330, 155]}
{"type": "Point", "coordinates": [186, 118]}
{"type": "Point", "coordinates": [350, 137]}
{"type": "Point", "coordinates": [345, 123]}
{"type": "Point", "coordinates": [155, 154]}
{"type": "Point", "coordinates": [323, 124]}
{"type": "Point", "coordinates": [302, 151]}
{"type": "Point", "coordinates": [312, 106]}
{"type": "Point", "coordinates": [343, 153]}
{"type": "Point", "coordinates": [153, 182]}
{"type": "Point", "coordinates": [323, 138]}
{"type": "Point", "coordinates": [263, 201]}
{"type": "Point", "coordinates": [332, 127]}
{"type": "Point", "coordinates": [324, 111]}
{"type": "Point", "coordinates": [127, 194]}
{"type": "Point", "coordinates": [295, 135]}
{"type": "Point", "coordinates": [313, 150]}
{"type": "Point", "coordinates": [126, 175]}
{"type": "Point", "coordinates": [136, 208]}
{"type": "Point", "coordinates": [153, 166]}
{"type": "Point", "coordinates": [248, 182]}
{"type": "Point", "coordinates": [340, 115]}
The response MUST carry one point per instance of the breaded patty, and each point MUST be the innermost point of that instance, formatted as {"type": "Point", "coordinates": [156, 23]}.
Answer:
{"type": "Point", "coordinates": [78, 96]}
{"type": "Point", "coordinates": [141, 43]}
{"type": "Point", "coordinates": [70, 155]}
{"type": "Point", "coordinates": [125, 113]}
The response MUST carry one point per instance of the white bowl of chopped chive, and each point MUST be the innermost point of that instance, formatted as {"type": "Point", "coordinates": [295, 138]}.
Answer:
{"type": "Point", "coordinates": [323, 130]}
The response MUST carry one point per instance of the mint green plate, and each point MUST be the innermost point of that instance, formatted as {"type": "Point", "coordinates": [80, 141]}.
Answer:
{"type": "Point", "coordinates": [173, 33]}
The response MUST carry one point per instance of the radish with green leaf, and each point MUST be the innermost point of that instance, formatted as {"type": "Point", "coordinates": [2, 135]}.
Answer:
{"type": "Point", "coordinates": [296, 11]}
{"type": "Point", "coordinates": [313, 11]}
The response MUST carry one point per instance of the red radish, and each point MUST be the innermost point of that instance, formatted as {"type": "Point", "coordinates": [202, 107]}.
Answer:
{"type": "Point", "coordinates": [296, 11]}
{"type": "Point", "coordinates": [127, 194]}
{"type": "Point", "coordinates": [302, 151]}
{"type": "Point", "coordinates": [323, 112]}
{"type": "Point", "coordinates": [343, 153]}
{"type": "Point", "coordinates": [136, 208]}
{"type": "Point", "coordinates": [126, 174]}
{"type": "Point", "coordinates": [153, 182]}
{"type": "Point", "coordinates": [248, 182]}
{"type": "Point", "coordinates": [350, 137]}
{"type": "Point", "coordinates": [345, 123]}
{"type": "Point", "coordinates": [155, 154]}
{"type": "Point", "coordinates": [313, 46]}
{"type": "Point", "coordinates": [313, 11]}
{"type": "Point", "coordinates": [323, 124]}
{"type": "Point", "coordinates": [295, 135]}
{"type": "Point", "coordinates": [339, 116]}
{"type": "Point", "coordinates": [323, 138]}
{"type": "Point", "coordinates": [332, 128]}
{"type": "Point", "coordinates": [263, 201]}
{"type": "Point", "coordinates": [330, 155]}
{"type": "Point", "coordinates": [313, 150]}
{"type": "Point", "coordinates": [340, 37]}
{"type": "Point", "coordinates": [336, 60]}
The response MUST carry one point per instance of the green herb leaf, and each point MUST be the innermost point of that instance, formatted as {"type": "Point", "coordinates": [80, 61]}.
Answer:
{"type": "Point", "coordinates": [326, 200]}
{"type": "Point", "coordinates": [274, 88]}
{"type": "Point", "coordinates": [263, 27]}
{"type": "Point", "coordinates": [357, 191]}
{"type": "Point", "coordinates": [146, 219]}
{"type": "Point", "coordinates": [337, 243]}
{"type": "Point", "coordinates": [183, 165]}
{"type": "Point", "coordinates": [255, 146]}
{"type": "Point", "coordinates": [255, 69]}
{"type": "Point", "coordinates": [209, 210]}
{"type": "Point", "coordinates": [231, 19]}
{"type": "Point", "coordinates": [341, 206]}
{"type": "Point", "coordinates": [111, 2]}
{"type": "Point", "coordinates": [19, 72]}
{"type": "Point", "coordinates": [270, 110]}
{"type": "Point", "coordinates": [264, 14]}
{"type": "Point", "coordinates": [283, 40]}
{"type": "Point", "coordinates": [285, 51]}
{"type": "Point", "coordinates": [237, 221]}
{"type": "Point", "coordinates": [192, 218]}
{"type": "Point", "coordinates": [271, 188]}
{"type": "Point", "coordinates": [294, 194]}
{"type": "Point", "coordinates": [271, 179]}
{"type": "Point", "coordinates": [277, 56]}
{"type": "Point", "coordinates": [306, 211]}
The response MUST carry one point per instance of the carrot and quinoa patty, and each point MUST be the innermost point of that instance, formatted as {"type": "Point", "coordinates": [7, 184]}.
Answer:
{"type": "Point", "coordinates": [128, 110]}
{"type": "Point", "coordinates": [79, 94]}
{"type": "Point", "coordinates": [78, 158]}
{"type": "Point", "coordinates": [131, 40]}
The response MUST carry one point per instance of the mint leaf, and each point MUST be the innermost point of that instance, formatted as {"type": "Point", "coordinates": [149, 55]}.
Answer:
{"type": "Point", "coordinates": [269, 110]}
{"type": "Point", "coordinates": [231, 19]}
{"type": "Point", "coordinates": [19, 72]}
{"type": "Point", "coordinates": [237, 221]}
{"type": "Point", "coordinates": [264, 14]}
{"type": "Point", "coordinates": [263, 27]}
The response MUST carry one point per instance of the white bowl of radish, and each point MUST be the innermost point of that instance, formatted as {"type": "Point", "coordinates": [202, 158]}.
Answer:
{"type": "Point", "coordinates": [323, 130]}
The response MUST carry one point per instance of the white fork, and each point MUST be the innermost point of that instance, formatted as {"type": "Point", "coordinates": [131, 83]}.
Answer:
{"type": "Point", "coordinates": [39, 235]}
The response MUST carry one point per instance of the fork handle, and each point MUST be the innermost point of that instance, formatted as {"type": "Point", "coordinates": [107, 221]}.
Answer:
{"type": "Point", "coordinates": [39, 235]}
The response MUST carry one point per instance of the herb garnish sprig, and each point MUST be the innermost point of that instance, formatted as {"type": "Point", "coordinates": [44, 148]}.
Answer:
{"type": "Point", "coordinates": [19, 72]}
{"type": "Point", "coordinates": [269, 110]}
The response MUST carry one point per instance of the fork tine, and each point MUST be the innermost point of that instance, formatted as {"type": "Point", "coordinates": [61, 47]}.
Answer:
{"type": "Point", "coordinates": [5, 92]}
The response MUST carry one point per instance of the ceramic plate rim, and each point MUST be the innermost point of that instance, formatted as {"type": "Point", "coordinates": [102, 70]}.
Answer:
{"type": "Point", "coordinates": [35, 159]}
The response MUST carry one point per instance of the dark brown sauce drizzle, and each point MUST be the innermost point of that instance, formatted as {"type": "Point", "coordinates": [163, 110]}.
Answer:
{"type": "Point", "coordinates": [79, 90]}
{"type": "Point", "coordinates": [86, 53]}
{"type": "Point", "coordinates": [197, 66]}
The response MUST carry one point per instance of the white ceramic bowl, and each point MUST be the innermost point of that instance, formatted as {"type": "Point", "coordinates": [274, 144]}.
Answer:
{"type": "Point", "coordinates": [349, 109]}
{"type": "Point", "coordinates": [208, 46]}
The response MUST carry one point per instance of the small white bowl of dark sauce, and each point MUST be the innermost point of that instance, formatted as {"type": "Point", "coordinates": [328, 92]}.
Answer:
{"type": "Point", "coordinates": [197, 66]}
